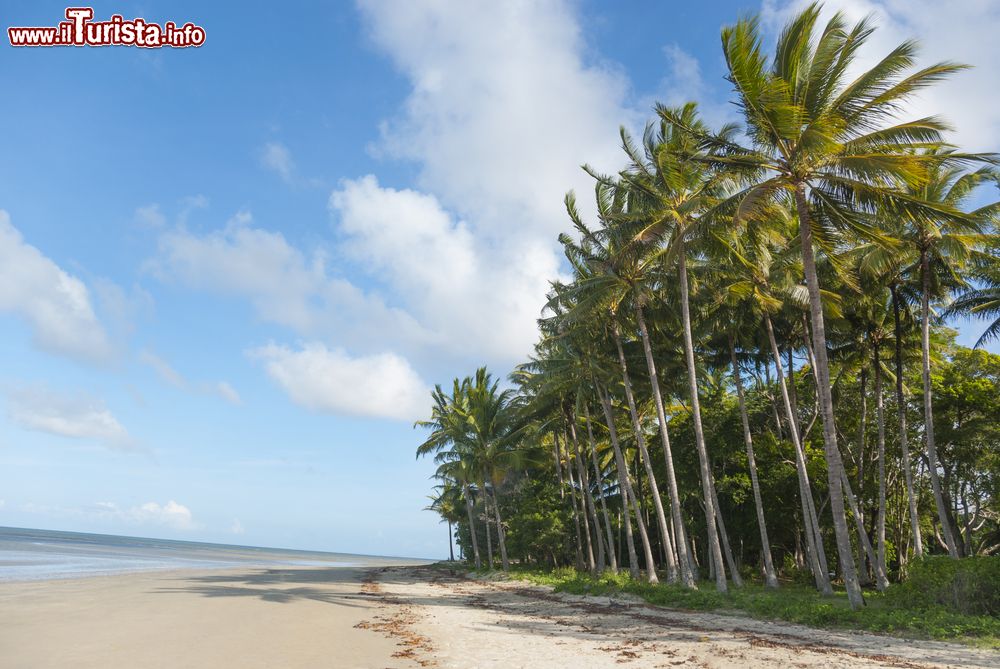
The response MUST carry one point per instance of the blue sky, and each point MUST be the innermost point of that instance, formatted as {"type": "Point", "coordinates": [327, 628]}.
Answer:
{"type": "Point", "coordinates": [233, 272]}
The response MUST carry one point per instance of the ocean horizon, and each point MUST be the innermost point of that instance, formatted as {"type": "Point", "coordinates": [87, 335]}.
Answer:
{"type": "Point", "coordinates": [29, 554]}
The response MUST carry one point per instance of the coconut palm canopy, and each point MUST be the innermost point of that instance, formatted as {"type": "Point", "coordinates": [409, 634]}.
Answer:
{"type": "Point", "coordinates": [739, 378]}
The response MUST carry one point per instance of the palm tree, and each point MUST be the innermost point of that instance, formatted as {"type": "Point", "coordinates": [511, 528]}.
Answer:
{"type": "Point", "coordinates": [939, 246]}
{"type": "Point", "coordinates": [762, 278]}
{"type": "Point", "coordinates": [610, 273]}
{"type": "Point", "coordinates": [832, 144]}
{"type": "Point", "coordinates": [667, 195]}
{"type": "Point", "coordinates": [982, 301]}
{"type": "Point", "coordinates": [448, 431]}
{"type": "Point", "coordinates": [482, 427]}
{"type": "Point", "coordinates": [445, 502]}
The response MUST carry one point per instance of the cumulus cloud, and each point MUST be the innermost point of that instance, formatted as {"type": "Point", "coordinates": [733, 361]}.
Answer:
{"type": "Point", "coordinates": [328, 380]}
{"type": "Point", "coordinates": [964, 32]}
{"type": "Point", "coordinates": [493, 175]}
{"type": "Point", "coordinates": [56, 305]}
{"type": "Point", "coordinates": [276, 157]}
{"type": "Point", "coordinates": [285, 285]}
{"type": "Point", "coordinates": [471, 297]}
{"type": "Point", "coordinates": [237, 527]}
{"type": "Point", "coordinates": [74, 416]}
{"type": "Point", "coordinates": [173, 515]}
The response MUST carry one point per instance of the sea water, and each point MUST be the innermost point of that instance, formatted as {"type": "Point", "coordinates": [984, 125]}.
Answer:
{"type": "Point", "coordinates": [29, 555]}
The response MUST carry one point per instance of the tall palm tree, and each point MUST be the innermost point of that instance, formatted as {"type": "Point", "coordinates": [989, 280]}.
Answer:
{"type": "Point", "coordinates": [667, 195]}
{"type": "Point", "coordinates": [479, 426]}
{"type": "Point", "coordinates": [832, 144]}
{"type": "Point", "coordinates": [939, 246]}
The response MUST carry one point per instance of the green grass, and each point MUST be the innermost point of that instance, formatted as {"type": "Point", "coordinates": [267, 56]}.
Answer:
{"type": "Point", "coordinates": [792, 602]}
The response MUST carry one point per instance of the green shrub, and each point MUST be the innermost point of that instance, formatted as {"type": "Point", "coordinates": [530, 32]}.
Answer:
{"type": "Point", "coordinates": [970, 585]}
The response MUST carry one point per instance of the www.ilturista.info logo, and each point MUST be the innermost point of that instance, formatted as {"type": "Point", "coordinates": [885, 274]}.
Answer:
{"type": "Point", "coordinates": [80, 30]}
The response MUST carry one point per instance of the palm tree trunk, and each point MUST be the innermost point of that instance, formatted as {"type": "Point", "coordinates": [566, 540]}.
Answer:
{"type": "Point", "coordinates": [612, 557]}
{"type": "Point", "coordinates": [864, 543]}
{"type": "Point", "coordinates": [486, 513]}
{"type": "Point", "coordinates": [641, 441]}
{"type": "Point", "coordinates": [500, 533]}
{"type": "Point", "coordinates": [576, 517]}
{"type": "Point", "coordinates": [881, 581]}
{"type": "Point", "coordinates": [925, 350]}
{"type": "Point", "coordinates": [770, 576]}
{"type": "Point", "coordinates": [814, 545]}
{"type": "Point", "coordinates": [727, 550]}
{"type": "Point", "coordinates": [588, 499]}
{"type": "Point", "coordinates": [581, 516]}
{"type": "Point", "coordinates": [472, 525]}
{"type": "Point", "coordinates": [835, 465]}
{"type": "Point", "coordinates": [451, 544]}
{"type": "Point", "coordinates": [680, 541]}
{"type": "Point", "coordinates": [708, 490]}
{"type": "Point", "coordinates": [863, 559]}
{"type": "Point", "coordinates": [624, 487]}
{"type": "Point", "coordinates": [918, 545]}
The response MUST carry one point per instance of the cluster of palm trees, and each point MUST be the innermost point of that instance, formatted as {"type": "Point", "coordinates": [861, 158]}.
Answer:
{"type": "Point", "coordinates": [812, 242]}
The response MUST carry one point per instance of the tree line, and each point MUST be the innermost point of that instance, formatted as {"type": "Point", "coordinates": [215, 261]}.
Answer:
{"type": "Point", "coordinates": [748, 373]}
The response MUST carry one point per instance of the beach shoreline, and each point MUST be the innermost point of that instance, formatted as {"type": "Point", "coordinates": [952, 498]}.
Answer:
{"type": "Point", "coordinates": [396, 617]}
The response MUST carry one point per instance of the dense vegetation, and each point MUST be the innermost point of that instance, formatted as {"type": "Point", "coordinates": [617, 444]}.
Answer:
{"type": "Point", "coordinates": [748, 376]}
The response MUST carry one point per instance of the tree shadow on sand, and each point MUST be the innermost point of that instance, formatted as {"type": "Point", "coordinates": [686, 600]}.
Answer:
{"type": "Point", "coordinates": [282, 586]}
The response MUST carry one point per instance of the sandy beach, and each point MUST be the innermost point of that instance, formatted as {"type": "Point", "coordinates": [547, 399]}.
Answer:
{"type": "Point", "coordinates": [398, 617]}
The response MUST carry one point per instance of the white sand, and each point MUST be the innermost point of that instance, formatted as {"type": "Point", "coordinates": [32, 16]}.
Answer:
{"type": "Point", "coordinates": [401, 618]}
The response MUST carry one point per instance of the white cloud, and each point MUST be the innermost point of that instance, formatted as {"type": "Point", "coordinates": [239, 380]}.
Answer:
{"type": "Point", "coordinates": [73, 416]}
{"type": "Point", "coordinates": [55, 304]}
{"type": "Point", "coordinates": [285, 285]}
{"type": "Point", "coordinates": [503, 110]}
{"type": "Point", "coordinates": [228, 393]}
{"type": "Point", "coordinates": [150, 216]}
{"type": "Point", "coordinates": [176, 379]}
{"type": "Point", "coordinates": [330, 381]}
{"type": "Point", "coordinates": [173, 515]}
{"type": "Point", "coordinates": [237, 527]}
{"type": "Point", "coordinates": [477, 300]}
{"type": "Point", "coordinates": [959, 31]}
{"type": "Point", "coordinates": [163, 368]}
{"type": "Point", "coordinates": [276, 157]}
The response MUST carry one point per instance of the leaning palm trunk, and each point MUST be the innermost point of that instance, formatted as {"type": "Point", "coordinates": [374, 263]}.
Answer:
{"type": "Point", "coordinates": [814, 546]}
{"type": "Point", "coordinates": [580, 516]}
{"type": "Point", "coordinates": [680, 541]}
{"type": "Point", "coordinates": [708, 490]}
{"type": "Point", "coordinates": [918, 546]}
{"type": "Point", "coordinates": [486, 518]}
{"type": "Point", "coordinates": [865, 544]}
{"type": "Point", "coordinates": [612, 557]}
{"type": "Point", "coordinates": [500, 533]}
{"type": "Point", "coordinates": [932, 457]}
{"type": "Point", "coordinates": [624, 486]}
{"type": "Point", "coordinates": [472, 525]}
{"type": "Point", "coordinates": [646, 460]}
{"type": "Point", "coordinates": [834, 463]}
{"type": "Point", "coordinates": [576, 518]}
{"type": "Point", "coordinates": [588, 499]}
{"type": "Point", "coordinates": [770, 577]}
{"type": "Point", "coordinates": [727, 550]}
{"type": "Point", "coordinates": [881, 581]}
{"type": "Point", "coordinates": [812, 507]}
